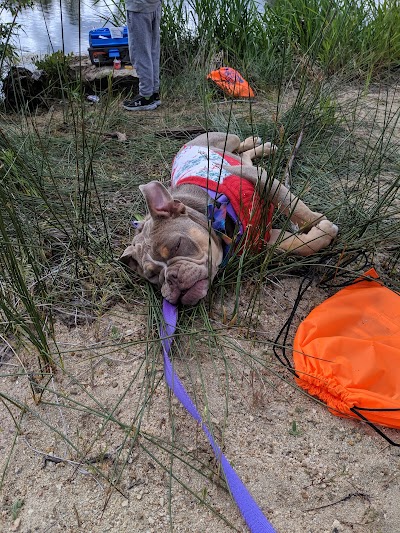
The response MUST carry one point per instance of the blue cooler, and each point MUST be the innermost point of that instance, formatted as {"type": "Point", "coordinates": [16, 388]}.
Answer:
{"type": "Point", "coordinates": [106, 44]}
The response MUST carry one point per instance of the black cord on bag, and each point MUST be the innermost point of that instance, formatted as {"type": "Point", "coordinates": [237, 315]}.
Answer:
{"type": "Point", "coordinates": [343, 263]}
{"type": "Point", "coordinates": [279, 347]}
{"type": "Point", "coordinates": [356, 410]}
{"type": "Point", "coordinates": [280, 344]}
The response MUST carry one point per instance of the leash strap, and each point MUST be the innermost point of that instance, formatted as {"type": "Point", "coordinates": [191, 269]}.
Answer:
{"type": "Point", "coordinates": [250, 511]}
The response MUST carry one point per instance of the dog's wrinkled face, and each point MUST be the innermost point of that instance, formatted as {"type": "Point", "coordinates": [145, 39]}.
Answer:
{"type": "Point", "coordinates": [173, 248]}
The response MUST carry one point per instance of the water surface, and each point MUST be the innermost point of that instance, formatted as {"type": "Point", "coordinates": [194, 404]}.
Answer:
{"type": "Point", "coordinates": [53, 25]}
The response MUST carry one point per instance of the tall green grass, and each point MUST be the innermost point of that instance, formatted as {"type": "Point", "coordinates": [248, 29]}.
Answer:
{"type": "Point", "coordinates": [359, 38]}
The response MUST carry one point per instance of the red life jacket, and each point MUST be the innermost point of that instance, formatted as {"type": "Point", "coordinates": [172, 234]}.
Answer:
{"type": "Point", "coordinates": [198, 165]}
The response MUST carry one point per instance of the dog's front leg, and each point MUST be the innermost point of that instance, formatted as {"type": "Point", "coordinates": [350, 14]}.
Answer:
{"type": "Point", "coordinates": [305, 244]}
{"type": "Point", "coordinates": [294, 208]}
{"type": "Point", "coordinates": [228, 142]}
{"type": "Point", "coordinates": [250, 152]}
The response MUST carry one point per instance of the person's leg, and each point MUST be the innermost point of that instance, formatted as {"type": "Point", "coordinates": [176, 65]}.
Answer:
{"type": "Point", "coordinates": [155, 51]}
{"type": "Point", "coordinates": [140, 27]}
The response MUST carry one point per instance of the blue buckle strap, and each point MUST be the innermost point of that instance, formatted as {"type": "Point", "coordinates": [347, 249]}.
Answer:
{"type": "Point", "coordinates": [217, 211]}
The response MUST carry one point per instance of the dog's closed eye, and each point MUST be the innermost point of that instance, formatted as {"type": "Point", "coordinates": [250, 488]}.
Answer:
{"type": "Point", "coordinates": [177, 246]}
{"type": "Point", "coordinates": [183, 247]}
{"type": "Point", "coordinates": [152, 274]}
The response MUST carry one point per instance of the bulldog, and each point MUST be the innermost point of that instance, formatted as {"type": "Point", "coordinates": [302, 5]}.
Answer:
{"type": "Point", "coordinates": [217, 200]}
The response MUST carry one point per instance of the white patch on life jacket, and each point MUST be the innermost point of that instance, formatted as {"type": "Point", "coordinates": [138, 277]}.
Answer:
{"type": "Point", "coordinates": [198, 161]}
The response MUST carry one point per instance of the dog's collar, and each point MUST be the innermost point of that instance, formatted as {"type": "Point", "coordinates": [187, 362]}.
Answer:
{"type": "Point", "coordinates": [217, 211]}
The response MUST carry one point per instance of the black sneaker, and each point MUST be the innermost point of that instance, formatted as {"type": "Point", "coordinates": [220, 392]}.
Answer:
{"type": "Point", "coordinates": [156, 99]}
{"type": "Point", "coordinates": [140, 103]}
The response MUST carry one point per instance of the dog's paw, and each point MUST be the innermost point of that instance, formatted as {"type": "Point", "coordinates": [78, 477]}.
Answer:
{"type": "Point", "coordinates": [319, 237]}
{"type": "Point", "coordinates": [250, 143]}
{"type": "Point", "coordinates": [328, 228]}
{"type": "Point", "coordinates": [317, 217]}
{"type": "Point", "coordinates": [313, 219]}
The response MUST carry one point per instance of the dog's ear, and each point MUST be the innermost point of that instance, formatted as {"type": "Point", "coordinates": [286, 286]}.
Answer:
{"type": "Point", "coordinates": [139, 260]}
{"type": "Point", "coordinates": [160, 202]}
{"type": "Point", "coordinates": [128, 258]}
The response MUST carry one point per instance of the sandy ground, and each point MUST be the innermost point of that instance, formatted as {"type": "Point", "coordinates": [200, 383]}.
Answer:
{"type": "Point", "coordinates": [325, 475]}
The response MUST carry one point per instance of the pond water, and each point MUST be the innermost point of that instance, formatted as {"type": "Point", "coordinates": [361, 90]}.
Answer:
{"type": "Point", "coordinates": [53, 25]}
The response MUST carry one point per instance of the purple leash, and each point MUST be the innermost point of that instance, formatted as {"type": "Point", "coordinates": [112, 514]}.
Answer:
{"type": "Point", "coordinates": [250, 511]}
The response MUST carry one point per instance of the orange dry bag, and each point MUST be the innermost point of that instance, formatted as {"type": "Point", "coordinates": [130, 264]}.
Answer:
{"type": "Point", "coordinates": [231, 82]}
{"type": "Point", "coordinates": [347, 352]}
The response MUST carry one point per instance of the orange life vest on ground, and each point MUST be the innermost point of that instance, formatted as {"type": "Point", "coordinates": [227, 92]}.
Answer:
{"type": "Point", "coordinates": [231, 82]}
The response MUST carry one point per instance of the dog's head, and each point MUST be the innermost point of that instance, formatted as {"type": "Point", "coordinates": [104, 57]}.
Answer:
{"type": "Point", "coordinates": [174, 248]}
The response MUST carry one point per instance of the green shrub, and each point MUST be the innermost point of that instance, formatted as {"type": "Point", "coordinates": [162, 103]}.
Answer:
{"type": "Point", "coordinates": [360, 38]}
{"type": "Point", "coordinates": [57, 68]}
